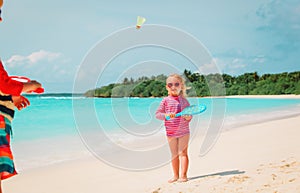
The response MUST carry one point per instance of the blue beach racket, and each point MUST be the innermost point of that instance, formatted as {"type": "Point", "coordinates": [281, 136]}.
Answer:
{"type": "Point", "coordinates": [190, 110]}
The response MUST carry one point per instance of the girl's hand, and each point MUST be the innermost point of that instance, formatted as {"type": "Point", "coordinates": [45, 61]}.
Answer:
{"type": "Point", "coordinates": [171, 115]}
{"type": "Point", "coordinates": [187, 117]}
{"type": "Point", "coordinates": [20, 102]}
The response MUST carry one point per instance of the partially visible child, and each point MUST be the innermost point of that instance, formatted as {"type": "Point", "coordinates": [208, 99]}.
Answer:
{"type": "Point", "coordinates": [1, 3]}
{"type": "Point", "coordinates": [10, 97]}
{"type": "Point", "coordinates": [177, 128]}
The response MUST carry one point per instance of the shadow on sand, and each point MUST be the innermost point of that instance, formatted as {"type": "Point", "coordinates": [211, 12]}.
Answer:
{"type": "Point", "coordinates": [226, 173]}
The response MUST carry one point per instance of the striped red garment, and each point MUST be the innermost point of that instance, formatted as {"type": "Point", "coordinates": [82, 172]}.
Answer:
{"type": "Point", "coordinates": [178, 126]}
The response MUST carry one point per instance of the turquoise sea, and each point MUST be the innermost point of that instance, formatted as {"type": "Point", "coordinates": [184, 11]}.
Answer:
{"type": "Point", "coordinates": [56, 128]}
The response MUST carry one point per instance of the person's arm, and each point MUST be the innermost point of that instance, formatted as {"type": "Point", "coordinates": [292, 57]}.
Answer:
{"type": "Point", "coordinates": [15, 88]}
{"type": "Point", "coordinates": [186, 104]}
{"type": "Point", "coordinates": [7, 85]}
{"type": "Point", "coordinates": [31, 86]}
{"type": "Point", "coordinates": [160, 112]}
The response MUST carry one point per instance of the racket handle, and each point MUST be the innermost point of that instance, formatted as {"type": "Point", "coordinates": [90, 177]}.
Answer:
{"type": "Point", "coordinates": [177, 115]}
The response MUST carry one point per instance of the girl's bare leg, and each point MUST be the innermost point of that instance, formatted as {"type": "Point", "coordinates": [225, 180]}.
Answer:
{"type": "Point", "coordinates": [173, 143]}
{"type": "Point", "coordinates": [183, 143]}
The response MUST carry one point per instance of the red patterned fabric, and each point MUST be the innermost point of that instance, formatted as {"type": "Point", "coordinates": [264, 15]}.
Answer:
{"type": "Point", "coordinates": [8, 86]}
{"type": "Point", "coordinates": [7, 167]}
{"type": "Point", "coordinates": [175, 127]}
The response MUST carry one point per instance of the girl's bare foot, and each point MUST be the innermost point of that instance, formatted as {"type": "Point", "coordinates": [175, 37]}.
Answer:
{"type": "Point", "coordinates": [183, 179]}
{"type": "Point", "coordinates": [174, 179]}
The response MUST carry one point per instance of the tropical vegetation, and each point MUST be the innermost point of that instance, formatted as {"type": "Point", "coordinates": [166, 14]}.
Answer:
{"type": "Point", "coordinates": [199, 85]}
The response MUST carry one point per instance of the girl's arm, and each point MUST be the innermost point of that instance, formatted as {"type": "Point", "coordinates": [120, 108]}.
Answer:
{"type": "Point", "coordinates": [160, 112]}
{"type": "Point", "coordinates": [186, 104]}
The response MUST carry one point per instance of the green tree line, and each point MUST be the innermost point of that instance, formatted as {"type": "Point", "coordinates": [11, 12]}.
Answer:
{"type": "Point", "coordinates": [205, 85]}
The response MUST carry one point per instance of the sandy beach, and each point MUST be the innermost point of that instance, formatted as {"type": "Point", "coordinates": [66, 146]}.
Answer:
{"type": "Point", "coordinates": [263, 157]}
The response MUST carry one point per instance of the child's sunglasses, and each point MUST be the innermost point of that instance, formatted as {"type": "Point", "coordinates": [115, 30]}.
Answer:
{"type": "Point", "coordinates": [171, 84]}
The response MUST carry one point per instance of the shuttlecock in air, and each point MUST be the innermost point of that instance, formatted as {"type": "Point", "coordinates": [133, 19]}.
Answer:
{"type": "Point", "coordinates": [140, 21]}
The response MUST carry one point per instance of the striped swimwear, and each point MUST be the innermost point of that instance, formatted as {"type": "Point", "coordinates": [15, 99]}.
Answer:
{"type": "Point", "coordinates": [7, 168]}
{"type": "Point", "coordinates": [175, 127]}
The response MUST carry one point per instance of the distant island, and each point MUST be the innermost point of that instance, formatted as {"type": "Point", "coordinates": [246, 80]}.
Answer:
{"type": "Point", "coordinates": [202, 85]}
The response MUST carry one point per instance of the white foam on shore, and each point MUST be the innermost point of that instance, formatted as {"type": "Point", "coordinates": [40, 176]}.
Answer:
{"type": "Point", "coordinates": [235, 121]}
{"type": "Point", "coordinates": [47, 151]}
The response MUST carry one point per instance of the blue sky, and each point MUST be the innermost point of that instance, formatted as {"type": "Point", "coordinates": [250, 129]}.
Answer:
{"type": "Point", "coordinates": [47, 40]}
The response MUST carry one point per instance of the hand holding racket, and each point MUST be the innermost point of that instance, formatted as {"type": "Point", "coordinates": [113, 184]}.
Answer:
{"type": "Point", "coordinates": [27, 80]}
{"type": "Point", "coordinates": [190, 110]}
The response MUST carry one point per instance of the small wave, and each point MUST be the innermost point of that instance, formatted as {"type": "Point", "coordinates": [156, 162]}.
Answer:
{"type": "Point", "coordinates": [235, 121]}
{"type": "Point", "coordinates": [61, 98]}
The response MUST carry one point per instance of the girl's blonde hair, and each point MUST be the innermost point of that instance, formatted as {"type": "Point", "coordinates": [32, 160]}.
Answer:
{"type": "Point", "coordinates": [183, 86]}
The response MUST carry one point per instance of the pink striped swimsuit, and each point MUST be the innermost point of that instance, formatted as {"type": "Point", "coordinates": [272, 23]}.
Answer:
{"type": "Point", "coordinates": [175, 127]}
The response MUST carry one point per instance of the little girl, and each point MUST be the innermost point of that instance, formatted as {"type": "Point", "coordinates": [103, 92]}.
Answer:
{"type": "Point", "coordinates": [177, 128]}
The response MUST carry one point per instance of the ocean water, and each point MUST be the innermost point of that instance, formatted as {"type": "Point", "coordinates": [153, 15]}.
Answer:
{"type": "Point", "coordinates": [61, 128]}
